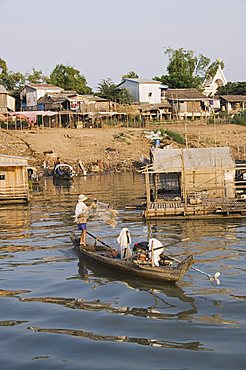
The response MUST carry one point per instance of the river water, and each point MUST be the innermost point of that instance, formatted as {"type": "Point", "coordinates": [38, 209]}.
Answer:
{"type": "Point", "coordinates": [56, 313]}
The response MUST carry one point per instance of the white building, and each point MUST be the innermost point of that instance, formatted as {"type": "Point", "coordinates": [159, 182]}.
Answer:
{"type": "Point", "coordinates": [142, 90]}
{"type": "Point", "coordinates": [30, 94]}
{"type": "Point", "coordinates": [211, 84]}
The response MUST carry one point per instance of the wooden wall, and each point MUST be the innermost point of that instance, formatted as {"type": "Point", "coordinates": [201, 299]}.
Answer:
{"type": "Point", "coordinates": [13, 183]}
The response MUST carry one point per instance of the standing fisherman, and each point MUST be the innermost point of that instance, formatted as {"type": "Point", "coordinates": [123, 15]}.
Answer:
{"type": "Point", "coordinates": [82, 213]}
{"type": "Point", "coordinates": [81, 216]}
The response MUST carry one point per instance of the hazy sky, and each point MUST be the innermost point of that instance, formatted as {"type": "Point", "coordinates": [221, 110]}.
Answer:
{"type": "Point", "coordinates": [108, 38]}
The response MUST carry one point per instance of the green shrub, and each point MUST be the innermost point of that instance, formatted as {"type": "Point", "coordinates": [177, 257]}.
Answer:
{"type": "Point", "coordinates": [239, 118]}
{"type": "Point", "coordinates": [173, 135]}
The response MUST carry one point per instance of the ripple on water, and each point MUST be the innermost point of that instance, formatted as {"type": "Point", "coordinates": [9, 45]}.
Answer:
{"type": "Point", "coordinates": [57, 312]}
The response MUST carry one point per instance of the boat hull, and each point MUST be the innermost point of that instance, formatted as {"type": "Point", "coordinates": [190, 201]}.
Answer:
{"type": "Point", "coordinates": [167, 274]}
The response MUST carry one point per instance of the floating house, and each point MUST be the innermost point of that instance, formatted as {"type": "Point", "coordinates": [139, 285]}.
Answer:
{"type": "Point", "coordinates": [13, 179]}
{"type": "Point", "coordinates": [192, 183]}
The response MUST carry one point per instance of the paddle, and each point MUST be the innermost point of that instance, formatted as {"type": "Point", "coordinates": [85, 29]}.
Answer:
{"type": "Point", "coordinates": [171, 244]}
{"type": "Point", "coordinates": [211, 278]}
{"type": "Point", "coordinates": [100, 241]}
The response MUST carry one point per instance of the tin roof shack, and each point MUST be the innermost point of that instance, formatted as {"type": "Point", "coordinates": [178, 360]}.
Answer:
{"type": "Point", "coordinates": [30, 94]}
{"type": "Point", "coordinates": [188, 103]}
{"type": "Point", "coordinates": [89, 103]}
{"type": "Point", "coordinates": [13, 179]}
{"type": "Point", "coordinates": [191, 183]}
{"type": "Point", "coordinates": [56, 101]}
{"type": "Point", "coordinates": [156, 112]}
{"type": "Point", "coordinates": [233, 103]}
{"type": "Point", "coordinates": [7, 102]}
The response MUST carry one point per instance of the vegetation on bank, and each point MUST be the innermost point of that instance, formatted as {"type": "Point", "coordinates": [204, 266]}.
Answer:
{"type": "Point", "coordinates": [178, 138]}
{"type": "Point", "coordinates": [239, 118]}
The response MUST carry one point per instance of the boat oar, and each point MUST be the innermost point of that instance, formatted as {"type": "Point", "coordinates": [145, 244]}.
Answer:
{"type": "Point", "coordinates": [212, 278]}
{"type": "Point", "coordinates": [171, 244]}
{"type": "Point", "coordinates": [97, 239]}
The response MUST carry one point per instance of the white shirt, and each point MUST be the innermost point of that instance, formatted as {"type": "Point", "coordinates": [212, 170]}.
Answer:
{"type": "Point", "coordinates": [81, 207]}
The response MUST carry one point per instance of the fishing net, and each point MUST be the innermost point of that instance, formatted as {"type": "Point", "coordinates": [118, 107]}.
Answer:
{"type": "Point", "coordinates": [104, 212]}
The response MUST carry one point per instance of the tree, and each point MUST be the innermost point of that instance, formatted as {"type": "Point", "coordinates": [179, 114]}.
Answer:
{"type": "Point", "coordinates": [36, 77]}
{"type": "Point", "coordinates": [108, 90]}
{"type": "Point", "coordinates": [105, 89]}
{"type": "Point", "coordinates": [185, 69]}
{"type": "Point", "coordinates": [232, 88]}
{"type": "Point", "coordinates": [69, 78]}
{"type": "Point", "coordinates": [3, 66]}
{"type": "Point", "coordinates": [213, 68]}
{"type": "Point", "coordinates": [12, 81]}
{"type": "Point", "coordinates": [130, 74]}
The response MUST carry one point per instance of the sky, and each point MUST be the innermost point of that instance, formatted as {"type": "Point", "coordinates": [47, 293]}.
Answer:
{"type": "Point", "coordinates": [108, 38]}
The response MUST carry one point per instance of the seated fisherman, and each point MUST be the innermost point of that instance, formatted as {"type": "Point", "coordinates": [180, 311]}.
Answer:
{"type": "Point", "coordinates": [124, 240]}
{"type": "Point", "coordinates": [157, 247]}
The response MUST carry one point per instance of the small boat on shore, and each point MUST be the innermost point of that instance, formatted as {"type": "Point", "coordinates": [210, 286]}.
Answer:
{"type": "Point", "coordinates": [106, 258]}
{"type": "Point", "coordinates": [63, 171]}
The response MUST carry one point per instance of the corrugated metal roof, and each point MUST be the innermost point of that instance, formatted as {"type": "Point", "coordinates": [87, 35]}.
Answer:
{"type": "Point", "coordinates": [173, 160]}
{"type": "Point", "coordinates": [142, 80]}
{"type": "Point", "coordinates": [43, 86]}
{"type": "Point", "coordinates": [234, 98]}
{"type": "Point", "coordinates": [185, 94]}
{"type": "Point", "coordinates": [12, 160]}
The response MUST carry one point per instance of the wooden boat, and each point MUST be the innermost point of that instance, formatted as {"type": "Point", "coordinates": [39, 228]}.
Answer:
{"type": "Point", "coordinates": [104, 258]}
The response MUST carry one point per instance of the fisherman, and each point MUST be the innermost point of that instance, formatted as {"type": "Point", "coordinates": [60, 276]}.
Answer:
{"type": "Point", "coordinates": [81, 216]}
{"type": "Point", "coordinates": [156, 246]}
{"type": "Point", "coordinates": [82, 213]}
{"type": "Point", "coordinates": [124, 240]}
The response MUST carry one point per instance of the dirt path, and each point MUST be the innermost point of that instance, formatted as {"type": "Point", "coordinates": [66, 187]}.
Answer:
{"type": "Point", "coordinates": [113, 148]}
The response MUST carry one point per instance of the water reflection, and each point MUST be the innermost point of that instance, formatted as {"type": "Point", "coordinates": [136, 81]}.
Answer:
{"type": "Point", "coordinates": [192, 315]}
{"type": "Point", "coordinates": [193, 346]}
{"type": "Point", "coordinates": [11, 322]}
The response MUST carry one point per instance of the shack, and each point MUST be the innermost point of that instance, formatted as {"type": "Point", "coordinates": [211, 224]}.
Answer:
{"type": "Point", "coordinates": [13, 179]}
{"type": "Point", "coordinates": [191, 183]}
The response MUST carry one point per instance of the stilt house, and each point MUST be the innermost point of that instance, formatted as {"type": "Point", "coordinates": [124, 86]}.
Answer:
{"type": "Point", "coordinates": [13, 179]}
{"type": "Point", "coordinates": [192, 181]}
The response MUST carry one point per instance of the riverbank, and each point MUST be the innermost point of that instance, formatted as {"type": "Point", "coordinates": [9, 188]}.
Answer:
{"type": "Point", "coordinates": [111, 149]}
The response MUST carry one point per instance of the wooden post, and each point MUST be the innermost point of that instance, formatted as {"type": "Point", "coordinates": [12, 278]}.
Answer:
{"type": "Point", "coordinates": [152, 254]}
{"type": "Point", "coordinates": [183, 181]}
{"type": "Point", "coordinates": [147, 187]}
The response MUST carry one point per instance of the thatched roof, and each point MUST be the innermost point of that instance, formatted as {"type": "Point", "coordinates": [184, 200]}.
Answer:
{"type": "Point", "coordinates": [56, 97]}
{"type": "Point", "coordinates": [174, 160]}
{"type": "Point", "coordinates": [234, 98]}
{"type": "Point", "coordinates": [87, 98]}
{"type": "Point", "coordinates": [152, 107]}
{"type": "Point", "coordinates": [185, 94]}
